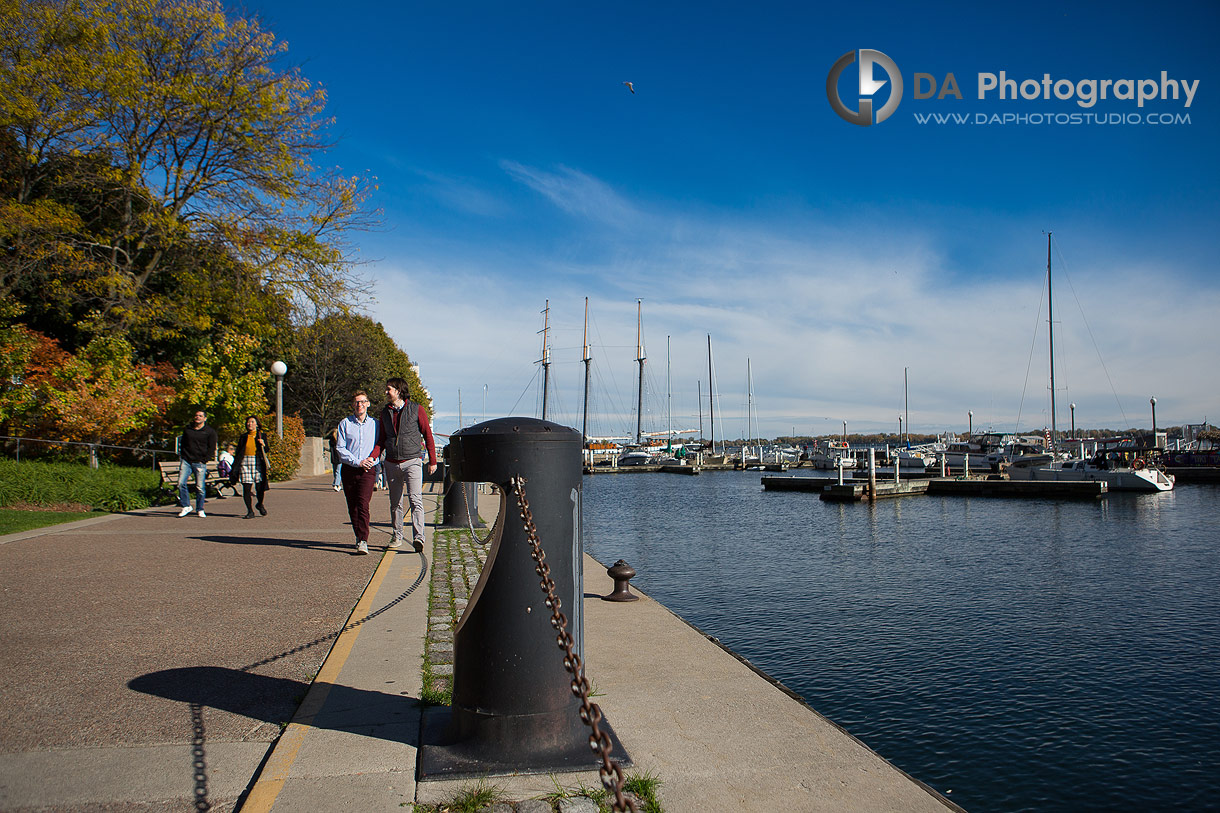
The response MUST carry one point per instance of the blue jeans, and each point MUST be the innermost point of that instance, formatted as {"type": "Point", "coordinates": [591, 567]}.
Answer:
{"type": "Point", "coordinates": [185, 468]}
{"type": "Point", "coordinates": [338, 482]}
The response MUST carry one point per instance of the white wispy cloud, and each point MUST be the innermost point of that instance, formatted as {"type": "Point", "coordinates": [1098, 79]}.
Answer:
{"type": "Point", "coordinates": [575, 193]}
{"type": "Point", "coordinates": [829, 310]}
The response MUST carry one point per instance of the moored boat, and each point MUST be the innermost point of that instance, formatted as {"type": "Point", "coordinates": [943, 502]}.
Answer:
{"type": "Point", "coordinates": [1136, 477]}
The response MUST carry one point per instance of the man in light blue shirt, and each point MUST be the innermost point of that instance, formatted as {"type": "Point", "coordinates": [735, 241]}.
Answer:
{"type": "Point", "coordinates": [357, 445]}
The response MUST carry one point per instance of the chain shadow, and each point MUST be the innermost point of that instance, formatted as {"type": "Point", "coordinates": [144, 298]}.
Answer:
{"type": "Point", "coordinates": [276, 700]}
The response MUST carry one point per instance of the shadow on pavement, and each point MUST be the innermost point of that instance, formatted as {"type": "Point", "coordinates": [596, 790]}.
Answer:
{"type": "Point", "coordinates": [274, 700]}
{"type": "Point", "coordinates": [311, 544]}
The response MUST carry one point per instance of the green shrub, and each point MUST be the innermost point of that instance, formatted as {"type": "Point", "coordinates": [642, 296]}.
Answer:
{"type": "Point", "coordinates": [284, 455]}
{"type": "Point", "coordinates": [108, 488]}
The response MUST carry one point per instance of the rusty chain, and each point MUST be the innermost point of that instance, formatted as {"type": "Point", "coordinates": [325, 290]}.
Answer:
{"type": "Point", "coordinates": [610, 772]}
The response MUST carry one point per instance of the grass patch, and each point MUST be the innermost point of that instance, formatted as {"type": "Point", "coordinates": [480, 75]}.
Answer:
{"type": "Point", "coordinates": [599, 795]}
{"type": "Point", "coordinates": [645, 786]}
{"type": "Point", "coordinates": [14, 522]}
{"type": "Point", "coordinates": [470, 799]}
{"type": "Point", "coordinates": [108, 488]}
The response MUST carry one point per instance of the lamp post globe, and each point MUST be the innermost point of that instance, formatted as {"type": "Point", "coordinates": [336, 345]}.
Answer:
{"type": "Point", "coordinates": [279, 369]}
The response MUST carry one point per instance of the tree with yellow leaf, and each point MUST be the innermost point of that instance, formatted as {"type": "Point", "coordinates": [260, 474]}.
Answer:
{"type": "Point", "coordinates": [134, 128]}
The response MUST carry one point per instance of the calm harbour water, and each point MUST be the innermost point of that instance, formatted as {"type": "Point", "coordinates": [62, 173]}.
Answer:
{"type": "Point", "coordinates": [1013, 654]}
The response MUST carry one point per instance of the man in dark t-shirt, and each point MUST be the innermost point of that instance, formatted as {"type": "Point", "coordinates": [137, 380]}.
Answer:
{"type": "Point", "coordinates": [196, 447]}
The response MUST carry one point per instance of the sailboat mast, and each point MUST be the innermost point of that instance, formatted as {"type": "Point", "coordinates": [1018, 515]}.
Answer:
{"type": "Point", "coordinates": [584, 430]}
{"type": "Point", "coordinates": [699, 401]}
{"type": "Point", "coordinates": [639, 357]}
{"type": "Point", "coordinates": [749, 403]}
{"type": "Point", "coordinates": [669, 397]}
{"type": "Point", "coordinates": [711, 390]}
{"type": "Point", "coordinates": [546, 357]}
{"type": "Point", "coordinates": [1050, 320]}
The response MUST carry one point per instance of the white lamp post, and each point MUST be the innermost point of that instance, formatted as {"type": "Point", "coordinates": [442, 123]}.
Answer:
{"type": "Point", "coordinates": [279, 368]}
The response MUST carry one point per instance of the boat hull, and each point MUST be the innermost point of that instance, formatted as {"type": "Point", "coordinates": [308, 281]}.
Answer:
{"type": "Point", "coordinates": [1123, 479]}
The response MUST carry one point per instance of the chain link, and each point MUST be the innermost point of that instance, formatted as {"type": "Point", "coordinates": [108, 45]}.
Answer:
{"type": "Point", "coordinates": [610, 772]}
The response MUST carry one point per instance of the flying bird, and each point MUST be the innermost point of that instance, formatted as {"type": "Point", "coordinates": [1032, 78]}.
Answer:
{"type": "Point", "coordinates": [629, 87]}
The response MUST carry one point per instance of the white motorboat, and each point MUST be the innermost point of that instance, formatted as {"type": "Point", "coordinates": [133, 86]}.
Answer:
{"type": "Point", "coordinates": [1136, 477]}
{"type": "Point", "coordinates": [636, 457]}
{"type": "Point", "coordinates": [828, 458]}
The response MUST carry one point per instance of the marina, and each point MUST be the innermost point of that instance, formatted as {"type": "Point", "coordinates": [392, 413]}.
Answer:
{"type": "Point", "coordinates": [1030, 654]}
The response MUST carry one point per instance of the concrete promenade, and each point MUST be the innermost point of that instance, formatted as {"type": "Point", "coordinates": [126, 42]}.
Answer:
{"type": "Point", "coordinates": [151, 663]}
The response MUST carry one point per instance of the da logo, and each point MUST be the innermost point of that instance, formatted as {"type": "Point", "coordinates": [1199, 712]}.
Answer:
{"type": "Point", "coordinates": [863, 114]}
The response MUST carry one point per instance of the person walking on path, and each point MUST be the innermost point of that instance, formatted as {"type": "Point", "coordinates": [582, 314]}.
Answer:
{"type": "Point", "coordinates": [358, 449]}
{"type": "Point", "coordinates": [195, 448]}
{"type": "Point", "coordinates": [250, 466]}
{"type": "Point", "coordinates": [335, 463]}
{"type": "Point", "coordinates": [405, 431]}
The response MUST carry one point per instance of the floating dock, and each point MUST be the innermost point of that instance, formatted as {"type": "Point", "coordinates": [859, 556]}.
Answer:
{"type": "Point", "coordinates": [856, 491]}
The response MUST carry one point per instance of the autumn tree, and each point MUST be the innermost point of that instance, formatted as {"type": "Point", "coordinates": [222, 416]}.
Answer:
{"type": "Point", "coordinates": [228, 380]}
{"type": "Point", "coordinates": [96, 395]}
{"type": "Point", "coordinates": [333, 357]}
{"type": "Point", "coordinates": [131, 129]}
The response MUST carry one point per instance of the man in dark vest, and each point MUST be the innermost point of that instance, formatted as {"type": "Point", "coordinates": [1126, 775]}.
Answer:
{"type": "Point", "coordinates": [405, 432]}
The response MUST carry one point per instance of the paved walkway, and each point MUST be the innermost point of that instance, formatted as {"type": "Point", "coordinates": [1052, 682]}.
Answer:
{"type": "Point", "coordinates": [150, 662]}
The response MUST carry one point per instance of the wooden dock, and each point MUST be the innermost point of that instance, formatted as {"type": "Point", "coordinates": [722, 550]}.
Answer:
{"type": "Point", "coordinates": [857, 490]}
{"type": "Point", "coordinates": [957, 487]}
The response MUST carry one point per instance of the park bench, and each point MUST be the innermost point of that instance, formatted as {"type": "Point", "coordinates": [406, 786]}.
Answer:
{"type": "Point", "coordinates": [171, 468]}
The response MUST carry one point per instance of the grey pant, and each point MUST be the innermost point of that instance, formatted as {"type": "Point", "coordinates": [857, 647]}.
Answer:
{"type": "Point", "coordinates": [411, 474]}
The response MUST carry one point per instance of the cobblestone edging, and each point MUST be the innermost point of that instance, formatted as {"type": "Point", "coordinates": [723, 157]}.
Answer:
{"type": "Point", "coordinates": [456, 563]}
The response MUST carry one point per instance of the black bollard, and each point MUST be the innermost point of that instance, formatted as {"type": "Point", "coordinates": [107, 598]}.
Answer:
{"type": "Point", "coordinates": [622, 573]}
{"type": "Point", "coordinates": [460, 505]}
{"type": "Point", "coordinates": [513, 708]}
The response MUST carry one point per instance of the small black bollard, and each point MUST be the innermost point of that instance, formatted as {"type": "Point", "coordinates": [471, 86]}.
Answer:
{"type": "Point", "coordinates": [513, 708]}
{"type": "Point", "coordinates": [622, 573]}
{"type": "Point", "coordinates": [460, 505]}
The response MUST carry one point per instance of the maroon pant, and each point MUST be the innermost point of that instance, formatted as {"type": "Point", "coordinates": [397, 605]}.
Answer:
{"type": "Point", "coordinates": [358, 489]}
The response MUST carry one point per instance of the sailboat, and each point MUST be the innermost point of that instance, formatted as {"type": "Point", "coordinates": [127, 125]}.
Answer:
{"type": "Point", "coordinates": [751, 455]}
{"type": "Point", "coordinates": [1136, 477]}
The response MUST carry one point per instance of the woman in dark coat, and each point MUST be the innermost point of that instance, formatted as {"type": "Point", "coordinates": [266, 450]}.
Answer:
{"type": "Point", "coordinates": [250, 466]}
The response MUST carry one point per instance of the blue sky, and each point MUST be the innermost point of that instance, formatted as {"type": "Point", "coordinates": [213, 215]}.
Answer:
{"type": "Point", "coordinates": [515, 167]}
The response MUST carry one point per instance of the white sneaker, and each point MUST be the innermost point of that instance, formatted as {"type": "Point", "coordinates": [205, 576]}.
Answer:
{"type": "Point", "coordinates": [362, 547]}
{"type": "Point", "coordinates": [185, 511]}
{"type": "Point", "coordinates": [396, 542]}
{"type": "Point", "coordinates": [338, 488]}
{"type": "Point", "coordinates": [202, 515]}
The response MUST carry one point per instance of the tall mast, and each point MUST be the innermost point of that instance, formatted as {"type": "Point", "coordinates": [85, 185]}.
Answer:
{"type": "Point", "coordinates": [546, 356]}
{"type": "Point", "coordinates": [669, 397]}
{"type": "Point", "coordinates": [711, 393]}
{"type": "Point", "coordinates": [587, 358]}
{"type": "Point", "coordinates": [639, 357]}
{"type": "Point", "coordinates": [699, 401]}
{"type": "Point", "coordinates": [749, 403]}
{"type": "Point", "coordinates": [1050, 320]}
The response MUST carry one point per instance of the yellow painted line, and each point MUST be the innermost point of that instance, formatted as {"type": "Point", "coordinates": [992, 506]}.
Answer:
{"type": "Point", "coordinates": [274, 774]}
